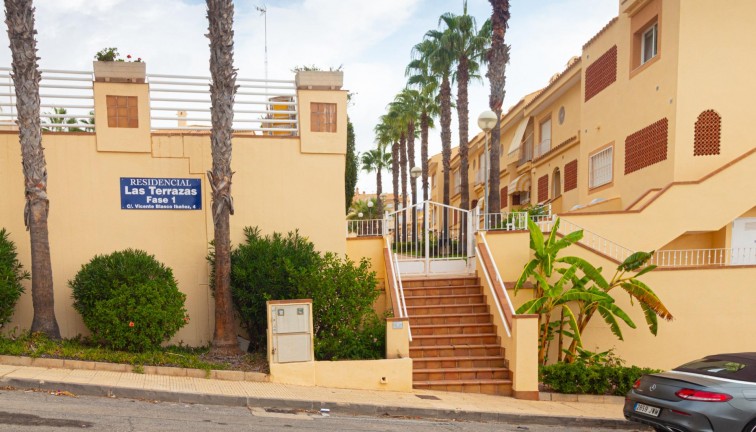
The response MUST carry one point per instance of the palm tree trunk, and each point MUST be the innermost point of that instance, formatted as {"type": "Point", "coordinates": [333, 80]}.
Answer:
{"type": "Point", "coordinates": [463, 115]}
{"type": "Point", "coordinates": [403, 168]}
{"type": "Point", "coordinates": [497, 56]}
{"type": "Point", "coordinates": [445, 117]}
{"type": "Point", "coordinates": [19, 16]}
{"type": "Point", "coordinates": [424, 152]}
{"type": "Point", "coordinates": [378, 192]}
{"type": "Point", "coordinates": [413, 185]}
{"type": "Point", "coordinates": [220, 14]}
{"type": "Point", "coordinates": [395, 185]}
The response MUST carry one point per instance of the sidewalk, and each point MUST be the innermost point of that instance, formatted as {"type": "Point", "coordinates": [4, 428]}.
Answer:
{"type": "Point", "coordinates": [419, 403]}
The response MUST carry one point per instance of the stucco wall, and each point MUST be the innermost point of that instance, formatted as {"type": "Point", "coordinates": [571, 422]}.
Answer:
{"type": "Point", "coordinates": [276, 187]}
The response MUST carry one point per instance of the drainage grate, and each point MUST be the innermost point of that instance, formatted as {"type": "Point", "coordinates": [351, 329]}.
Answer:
{"type": "Point", "coordinates": [428, 397]}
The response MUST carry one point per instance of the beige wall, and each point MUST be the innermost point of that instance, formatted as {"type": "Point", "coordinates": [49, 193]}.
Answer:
{"type": "Point", "coordinates": [389, 375]}
{"type": "Point", "coordinates": [372, 249]}
{"type": "Point", "coordinates": [276, 187]}
{"type": "Point", "coordinates": [715, 73]}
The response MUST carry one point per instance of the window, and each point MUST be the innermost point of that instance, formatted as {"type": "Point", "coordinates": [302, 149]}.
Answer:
{"type": "Point", "coordinates": [457, 182]}
{"type": "Point", "coordinates": [649, 43]}
{"type": "Point", "coordinates": [122, 111]}
{"type": "Point", "coordinates": [322, 117]}
{"type": "Point", "coordinates": [545, 145]}
{"type": "Point", "coordinates": [601, 168]}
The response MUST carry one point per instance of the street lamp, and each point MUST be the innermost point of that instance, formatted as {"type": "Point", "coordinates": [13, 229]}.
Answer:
{"type": "Point", "coordinates": [487, 121]}
{"type": "Point", "coordinates": [370, 208]}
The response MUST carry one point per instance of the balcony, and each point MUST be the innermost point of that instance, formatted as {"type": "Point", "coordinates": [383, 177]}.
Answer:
{"type": "Point", "coordinates": [542, 148]}
{"type": "Point", "coordinates": [526, 153]}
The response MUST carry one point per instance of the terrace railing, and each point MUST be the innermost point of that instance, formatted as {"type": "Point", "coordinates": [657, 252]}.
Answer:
{"type": "Point", "coordinates": [364, 228]}
{"type": "Point", "coordinates": [67, 92]}
{"type": "Point", "coordinates": [177, 102]}
{"type": "Point", "coordinates": [182, 102]}
{"type": "Point", "coordinates": [705, 257]}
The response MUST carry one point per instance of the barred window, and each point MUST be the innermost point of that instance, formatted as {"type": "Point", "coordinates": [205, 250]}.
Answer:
{"type": "Point", "coordinates": [601, 167]}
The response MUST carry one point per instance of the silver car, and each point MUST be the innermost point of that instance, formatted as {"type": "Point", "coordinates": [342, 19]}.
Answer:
{"type": "Point", "coordinates": [716, 393]}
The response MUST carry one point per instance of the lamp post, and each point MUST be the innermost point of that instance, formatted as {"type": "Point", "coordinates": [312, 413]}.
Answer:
{"type": "Point", "coordinates": [414, 173]}
{"type": "Point", "coordinates": [487, 121]}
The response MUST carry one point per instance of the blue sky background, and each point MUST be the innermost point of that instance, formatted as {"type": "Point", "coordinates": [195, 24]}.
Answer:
{"type": "Point", "coordinates": [371, 39]}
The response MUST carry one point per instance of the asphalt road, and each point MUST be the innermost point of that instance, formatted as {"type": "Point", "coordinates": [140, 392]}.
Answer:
{"type": "Point", "coordinates": [41, 411]}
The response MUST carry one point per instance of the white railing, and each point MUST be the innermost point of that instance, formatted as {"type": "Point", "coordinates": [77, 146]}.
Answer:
{"type": "Point", "coordinates": [364, 228]}
{"type": "Point", "coordinates": [69, 92]}
{"type": "Point", "coordinates": [705, 257]}
{"type": "Point", "coordinates": [513, 221]}
{"type": "Point", "coordinates": [398, 289]}
{"type": "Point", "coordinates": [183, 102]}
{"type": "Point", "coordinates": [542, 148]}
{"type": "Point", "coordinates": [177, 102]}
{"type": "Point", "coordinates": [595, 241]}
{"type": "Point", "coordinates": [496, 279]}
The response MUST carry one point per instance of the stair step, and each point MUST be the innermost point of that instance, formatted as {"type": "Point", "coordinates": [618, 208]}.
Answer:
{"type": "Point", "coordinates": [454, 340]}
{"type": "Point", "coordinates": [453, 318]}
{"type": "Point", "coordinates": [451, 374]}
{"type": "Point", "coordinates": [492, 387]}
{"type": "Point", "coordinates": [451, 281]}
{"type": "Point", "coordinates": [455, 351]}
{"type": "Point", "coordinates": [452, 299]}
{"type": "Point", "coordinates": [446, 309]}
{"type": "Point", "coordinates": [454, 329]}
{"type": "Point", "coordinates": [459, 362]}
{"type": "Point", "coordinates": [443, 290]}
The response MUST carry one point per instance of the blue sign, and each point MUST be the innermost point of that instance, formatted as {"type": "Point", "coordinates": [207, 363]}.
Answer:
{"type": "Point", "coordinates": [140, 193]}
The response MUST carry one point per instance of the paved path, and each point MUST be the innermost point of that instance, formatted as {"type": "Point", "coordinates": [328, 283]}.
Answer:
{"type": "Point", "coordinates": [420, 403]}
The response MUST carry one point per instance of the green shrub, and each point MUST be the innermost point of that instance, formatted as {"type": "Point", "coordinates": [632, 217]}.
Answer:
{"type": "Point", "coordinates": [344, 322]}
{"type": "Point", "coordinates": [278, 267]}
{"type": "Point", "coordinates": [129, 300]}
{"type": "Point", "coordinates": [579, 378]}
{"type": "Point", "coordinates": [262, 269]}
{"type": "Point", "coordinates": [11, 275]}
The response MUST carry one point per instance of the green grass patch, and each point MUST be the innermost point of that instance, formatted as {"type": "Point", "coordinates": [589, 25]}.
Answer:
{"type": "Point", "coordinates": [39, 346]}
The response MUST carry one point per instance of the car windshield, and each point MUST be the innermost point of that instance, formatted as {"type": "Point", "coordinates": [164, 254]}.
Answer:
{"type": "Point", "coordinates": [730, 367]}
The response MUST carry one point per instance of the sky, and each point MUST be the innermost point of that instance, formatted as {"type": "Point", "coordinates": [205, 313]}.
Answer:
{"type": "Point", "coordinates": [370, 40]}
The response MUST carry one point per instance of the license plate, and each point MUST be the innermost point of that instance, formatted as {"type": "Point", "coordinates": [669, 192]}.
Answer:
{"type": "Point", "coordinates": [649, 410]}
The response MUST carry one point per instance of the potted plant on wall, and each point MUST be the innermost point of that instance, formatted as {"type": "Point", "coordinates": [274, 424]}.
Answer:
{"type": "Point", "coordinates": [110, 67]}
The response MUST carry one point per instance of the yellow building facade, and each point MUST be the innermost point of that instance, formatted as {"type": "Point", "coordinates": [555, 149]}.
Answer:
{"type": "Point", "coordinates": [643, 141]}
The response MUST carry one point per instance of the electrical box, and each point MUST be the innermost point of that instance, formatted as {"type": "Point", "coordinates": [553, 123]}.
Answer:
{"type": "Point", "coordinates": [290, 331]}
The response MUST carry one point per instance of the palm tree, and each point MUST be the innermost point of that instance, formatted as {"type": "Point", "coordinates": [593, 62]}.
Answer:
{"type": "Point", "coordinates": [19, 16]}
{"type": "Point", "coordinates": [497, 58]}
{"type": "Point", "coordinates": [376, 160]}
{"type": "Point", "coordinates": [468, 46]}
{"type": "Point", "coordinates": [433, 58]}
{"type": "Point", "coordinates": [220, 14]}
{"type": "Point", "coordinates": [419, 76]}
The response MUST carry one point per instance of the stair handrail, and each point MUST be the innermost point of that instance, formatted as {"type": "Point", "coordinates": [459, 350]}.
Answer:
{"type": "Point", "coordinates": [596, 242]}
{"type": "Point", "coordinates": [500, 293]}
{"type": "Point", "coordinates": [392, 264]}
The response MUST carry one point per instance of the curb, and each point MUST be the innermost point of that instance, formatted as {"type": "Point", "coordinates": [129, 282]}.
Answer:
{"type": "Point", "coordinates": [346, 408]}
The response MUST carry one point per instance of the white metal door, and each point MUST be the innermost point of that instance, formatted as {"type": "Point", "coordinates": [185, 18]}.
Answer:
{"type": "Point", "coordinates": [743, 242]}
{"type": "Point", "coordinates": [432, 238]}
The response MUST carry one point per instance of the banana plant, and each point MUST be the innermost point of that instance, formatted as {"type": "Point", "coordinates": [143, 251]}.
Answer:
{"type": "Point", "coordinates": [579, 290]}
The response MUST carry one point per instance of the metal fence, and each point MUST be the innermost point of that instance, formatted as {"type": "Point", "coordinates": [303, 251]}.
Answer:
{"type": "Point", "coordinates": [67, 102]}
{"type": "Point", "coordinates": [177, 102]}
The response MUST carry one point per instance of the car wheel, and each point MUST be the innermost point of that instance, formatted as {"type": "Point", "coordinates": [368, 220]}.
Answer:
{"type": "Point", "coordinates": [660, 429]}
{"type": "Point", "coordinates": [751, 427]}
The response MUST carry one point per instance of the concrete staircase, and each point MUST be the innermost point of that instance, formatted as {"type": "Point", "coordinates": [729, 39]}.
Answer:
{"type": "Point", "coordinates": [454, 345]}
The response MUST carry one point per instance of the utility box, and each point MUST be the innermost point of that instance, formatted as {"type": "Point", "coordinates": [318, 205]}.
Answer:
{"type": "Point", "coordinates": [290, 331]}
